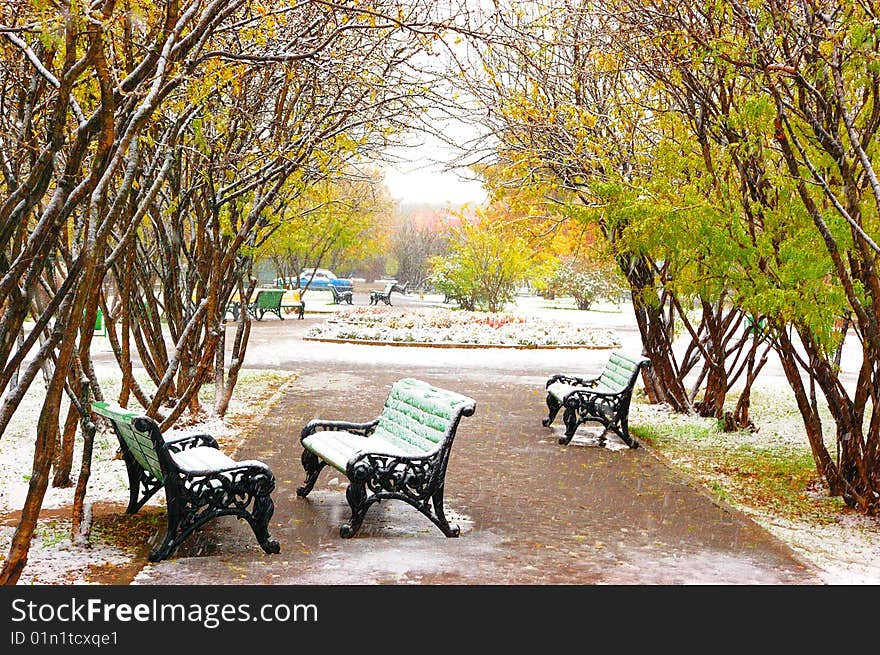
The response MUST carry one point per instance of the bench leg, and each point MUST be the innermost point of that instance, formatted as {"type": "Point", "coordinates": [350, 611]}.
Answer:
{"type": "Point", "coordinates": [302, 311]}
{"type": "Point", "coordinates": [570, 419]}
{"type": "Point", "coordinates": [164, 550]}
{"type": "Point", "coordinates": [619, 426]}
{"type": "Point", "coordinates": [138, 479]}
{"type": "Point", "coordinates": [259, 522]}
{"type": "Point", "coordinates": [553, 406]}
{"type": "Point", "coordinates": [623, 433]}
{"type": "Point", "coordinates": [313, 466]}
{"type": "Point", "coordinates": [174, 532]}
{"type": "Point", "coordinates": [356, 495]}
{"type": "Point", "coordinates": [440, 521]}
{"type": "Point", "coordinates": [134, 490]}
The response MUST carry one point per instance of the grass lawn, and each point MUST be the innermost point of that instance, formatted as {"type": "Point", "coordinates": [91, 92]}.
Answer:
{"type": "Point", "coordinates": [770, 471]}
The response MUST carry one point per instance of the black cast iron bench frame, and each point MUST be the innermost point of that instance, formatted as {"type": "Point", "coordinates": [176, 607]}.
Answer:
{"type": "Point", "coordinates": [417, 479]}
{"type": "Point", "coordinates": [603, 399]}
{"type": "Point", "coordinates": [340, 297]}
{"type": "Point", "coordinates": [192, 497]}
{"type": "Point", "coordinates": [384, 296]}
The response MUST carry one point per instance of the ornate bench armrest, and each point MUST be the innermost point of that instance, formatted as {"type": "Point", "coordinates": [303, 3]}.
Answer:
{"type": "Point", "coordinates": [411, 475]}
{"type": "Point", "coordinates": [176, 444]}
{"type": "Point", "coordinates": [316, 425]}
{"type": "Point", "coordinates": [586, 395]}
{"type": "Point", "coordinates": [570, 379]}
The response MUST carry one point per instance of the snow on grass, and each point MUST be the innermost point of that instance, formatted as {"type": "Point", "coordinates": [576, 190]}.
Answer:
{"type": "Point", "coordinates": [846, 551]}
{"type": "Point", "coordinates": [769, 474]}
{"type": "Point", "coordinates": [108, 480]}
{"type": "Point", "coordinates": [52, 559]}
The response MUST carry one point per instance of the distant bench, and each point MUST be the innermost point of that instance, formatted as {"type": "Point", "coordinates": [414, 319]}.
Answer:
{"type": "Point", "coordinates": [201, 483]}
{"type": "Point", "coordinates": [340, 297]}
{"type": "Point", "coordinates": [604, 399]}
{"type": "Point", "coordinates": [268, 301]}
{"type": "Point", "coordinates": [385, 294]}
{"type": "Point", "coordinates": [400, 455]}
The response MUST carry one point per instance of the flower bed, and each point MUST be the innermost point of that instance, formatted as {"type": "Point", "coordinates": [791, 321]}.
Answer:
{"type": "Point", "coordinates": [445, 327]}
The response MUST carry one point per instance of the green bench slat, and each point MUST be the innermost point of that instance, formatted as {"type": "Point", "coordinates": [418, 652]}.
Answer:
{"type": "Point", "coordinates": [624, 359]}
{"type": "Point", "coordinates": [618, 372]}
{"type": "Point", "coordinates": [613, 380]}
{"type": "Point", "coordinates": [418, 414]}
{"type": "Point", "coordinates": [394, 432]}
{"type": "Point", "coordinates": [415, 420]}
{"type": "Point", "coordinates": [139, 443]}
{"type": "Point", "coordinates": [440, 402]}
{"type": "Point", "coordinates": [269, 298]}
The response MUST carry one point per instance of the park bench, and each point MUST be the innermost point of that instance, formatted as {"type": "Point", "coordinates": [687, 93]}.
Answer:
{"type": "Point", "coordinates": [385, 294]}
{"type": "Point", "coordinates": [400, 455]}
{"type": "Point", "coordinates": [604, 399]}
{"type": "Point", "coordinates": [340, 296]}
{"type": "Point", "coordinates": [756, 327]}
{"type": "Point", "coordinates": [265, 301]}
{"type": "Point", "coordinates": [201, 483]}
{"type": "Point", "coordinates": [293, 303]}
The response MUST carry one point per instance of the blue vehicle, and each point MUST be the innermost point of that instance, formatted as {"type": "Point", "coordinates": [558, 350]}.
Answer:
{"type": "Point", "coordinates": [323, 279]}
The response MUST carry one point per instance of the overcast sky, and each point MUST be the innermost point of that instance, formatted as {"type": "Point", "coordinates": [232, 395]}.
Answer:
{"type": "Point", "coordinates": [414, 183]}
{"type": "Point", "coordinates": [418, 172]}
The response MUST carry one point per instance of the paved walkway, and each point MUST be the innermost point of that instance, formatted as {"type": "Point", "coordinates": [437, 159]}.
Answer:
{"type": "Point", "coordinates": [531, 511]}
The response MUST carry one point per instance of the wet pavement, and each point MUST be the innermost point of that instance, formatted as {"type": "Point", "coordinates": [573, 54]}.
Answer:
{"type": "Point", "coordinates": [530, 511]}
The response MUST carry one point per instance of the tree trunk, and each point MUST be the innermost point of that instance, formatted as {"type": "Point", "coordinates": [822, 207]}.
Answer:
{"type": "Point", "coordinates": [64, 458]}
{"type": "Point", "coordinates": [47, 428]}
{"type": "Point", "coordinates": [812, 423]}
{"type": "Point", "coordinates": [662, 382]}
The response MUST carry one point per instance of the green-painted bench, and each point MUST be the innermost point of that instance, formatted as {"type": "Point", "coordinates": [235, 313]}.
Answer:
{"type": "Point", "coordinates": [201, 483]}
{"type": "Point", "coordinates": [340, 297]}
{"type": "Point", "coordinates": [604, 399]}
{"type": "Point", "coordinates": [265, 301]}
{"type": "Point", "coordinates": [400, 455]}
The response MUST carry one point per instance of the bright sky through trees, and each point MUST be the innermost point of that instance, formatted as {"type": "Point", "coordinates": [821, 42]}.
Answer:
{"type": "Point", "coordinates": [419, 177]}
{"type": "Point", "coordinates": [409, 183]}
{"type": "Point", "coordinates": [432, 166]}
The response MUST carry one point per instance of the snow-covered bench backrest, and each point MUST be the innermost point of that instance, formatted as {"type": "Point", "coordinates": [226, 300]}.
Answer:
{"type": "Point", "coordinates": [621, 370]}
{"type": "Point", "coordinates": [139, 442]}
{"type": "Point", "coordinates": [421, 415]}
